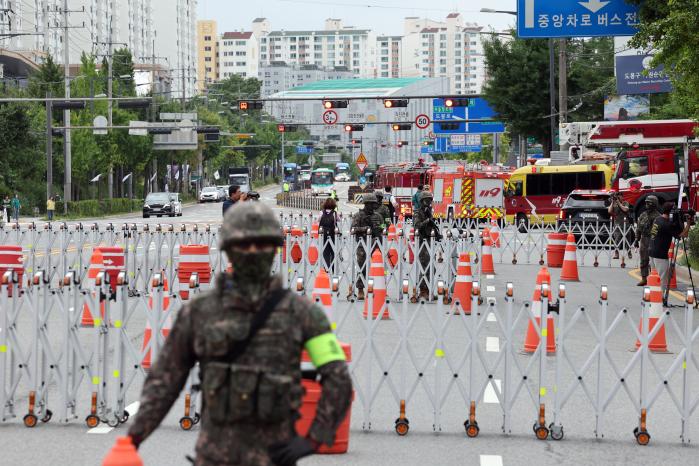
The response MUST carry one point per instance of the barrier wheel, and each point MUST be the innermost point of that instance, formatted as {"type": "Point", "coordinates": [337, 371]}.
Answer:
{"type": "Point", "coordinates": [113, 422]}
{"type": "Point", "coordinates": [197, 418]}
{"type": "Point", "coordinates": [472, 430]}
{"type": "Point", "coordinates": [642, 437]}
{"type": "Point", "coordinates": [556, 432]}
{"type": "Point", "coordinates": [413, 300]}
{"type": "Point", "coordinates": [541, 432]}
{"type": "Point", "coordinates": [480, 300]}
{"type": "Point", "coordinates": [514, 261]}
{"type": "Point", "coordinates": [92, 421]}
{"type": "Point", "coordinates": [30, 420]}
{"type": "Point", "coordinates": [595, 264]}
{"type": "Point", "coordinates": [186, 423]}
{"type": "Point", "coordinates": [47, 416]}
{"type": "Point", "coordinates": [124, 417]}
{"type": "Point", "coordinates": [402, 427]}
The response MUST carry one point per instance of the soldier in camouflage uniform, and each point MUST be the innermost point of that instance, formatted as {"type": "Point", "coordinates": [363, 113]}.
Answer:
{"type": "Point", "coordinates": [423, 222]}
{"type": "Point", "coordinates": [367, 218]}
{"type": "Point", "coordinates": [619, 212]}
{"type": "Point", "coordinates": [383, 210]}
{"type": "Point", "coordinates": [250, 402]}
{"type": "Point", "coordinates": [642, 242]}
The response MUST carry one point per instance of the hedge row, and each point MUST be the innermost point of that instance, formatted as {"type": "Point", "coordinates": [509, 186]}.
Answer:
{"type": "Point", "coordinates": [95, 208]}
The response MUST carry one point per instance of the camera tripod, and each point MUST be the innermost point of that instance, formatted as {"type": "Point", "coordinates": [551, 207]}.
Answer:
{"type": "Point", "coordinates": [673, 266]}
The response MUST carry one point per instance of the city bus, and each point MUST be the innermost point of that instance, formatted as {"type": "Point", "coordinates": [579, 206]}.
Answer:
{"type": "Point", "coordinates": [322, 181]}
{"type": "Point", "coordinates": [536, 192]}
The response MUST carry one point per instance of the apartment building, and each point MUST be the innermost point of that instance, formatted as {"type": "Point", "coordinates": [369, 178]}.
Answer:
{"type": "Point", "coordinates": [280, 76]}
{"type": "Point", "coordinates": [238, 54]}
{"type": "Point", "coordinates": [389, 50]}
{"type": "Point", "coordinates": [207, 53]}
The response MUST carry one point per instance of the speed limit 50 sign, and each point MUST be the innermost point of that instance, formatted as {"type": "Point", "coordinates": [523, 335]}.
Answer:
{"type": "Point", "coordinates": [422, 121]}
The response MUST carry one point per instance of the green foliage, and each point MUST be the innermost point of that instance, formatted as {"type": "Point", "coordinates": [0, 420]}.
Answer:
{"type": "Point", "coordinates": [49, 77]}
{"type": "Point", "coordinates": [693, 243]}
{"type": "Point", "coordinates": [590, 77]}
{"type": "Point", "coordinates": [95, 208]}
{"type": "Point", "coordinates": [670, 28]}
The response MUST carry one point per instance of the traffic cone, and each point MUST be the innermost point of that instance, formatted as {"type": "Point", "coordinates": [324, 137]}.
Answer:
{"type": "Point", "coordinates": [659, 343]}
{"type": "Point", "coordinates": [313, 245]}
{"type": "Point", "coordinates": [531, 341]}
{"type": "Point", "coordinates": [321, 290]}
{"type": "Point", "coordinates": [123, 453]}
{"type": "Point", "coordinates": [96, 266]}
{"type": "Point", "coordinates": [378, 274]}
{"type": "Point", "coordinates": [570, 261]}
{"type": "Point", "coordinates": [392, 251]}
{"type": "Point", "coordinates": [148, 333]}
{"type": "Point", "coordinates": [487, 266]}
{"type": "Point", "coordinates": [494, 230]}
{"type": "Point", "coordinates": [671, 256]}
{"type": "Point", "coordinates": [464, 283]}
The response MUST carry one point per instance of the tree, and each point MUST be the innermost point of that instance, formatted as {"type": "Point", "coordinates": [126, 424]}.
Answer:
{"type": "Point", "coordinates": [670, 28]}
{"type": "Point", "coordinates": [590, 77]}
{"type": "Point", "coordinates": [517, 87]}
{"type": "Point", "coordinates": [49, 77]}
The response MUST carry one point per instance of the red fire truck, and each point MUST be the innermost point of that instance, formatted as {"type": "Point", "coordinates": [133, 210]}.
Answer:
{"type": "Point", "coordinates": [656, 156]}
{"type": "Point", "coordinates": [404, 178]}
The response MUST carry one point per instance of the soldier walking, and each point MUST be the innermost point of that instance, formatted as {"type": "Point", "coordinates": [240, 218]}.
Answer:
{"type": "Point", "coordinates": [247, 334]}
{"type": "Point", "coordinates": [424, 225]}
{"type": "Point", "coordinates": [367, 218]}
{"type": "Point", "coordinates": [383, 209]}
{"type": "Point", "coordinates": [642, 241]}
{"type": "Point", "coordinates": [619, 211]}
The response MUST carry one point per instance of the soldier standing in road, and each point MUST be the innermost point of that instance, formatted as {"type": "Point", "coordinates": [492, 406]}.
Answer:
{"type": "Point", "coordinates": [383, 210]}
{"type": "Point", "coordinates": [619, 212]}
{"type": "Point", "coordinates": [367, 218]}
{"type": "Point", "coordinates": [642, 242]}
{"type": "Point", "coordinates": [424, 225]}
{"type": "Point", "coordinates": [247, 335]}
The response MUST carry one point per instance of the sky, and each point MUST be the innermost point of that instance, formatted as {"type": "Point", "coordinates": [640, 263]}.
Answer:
{"type": "Point", "coordinates": [382, 16]}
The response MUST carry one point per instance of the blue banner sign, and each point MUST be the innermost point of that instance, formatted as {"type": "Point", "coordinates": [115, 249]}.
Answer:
{"type": "Point", "coordinates": [634, 75]}
{"type": "Point", "coordinates": [304, 149]}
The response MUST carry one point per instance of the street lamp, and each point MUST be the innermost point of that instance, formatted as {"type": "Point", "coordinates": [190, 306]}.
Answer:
{"type": "Point", "coordinates": [552, 77]}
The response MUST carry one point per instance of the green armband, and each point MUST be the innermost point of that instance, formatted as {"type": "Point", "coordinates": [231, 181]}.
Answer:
{"type": "Point", "coordinates": [324, 349]}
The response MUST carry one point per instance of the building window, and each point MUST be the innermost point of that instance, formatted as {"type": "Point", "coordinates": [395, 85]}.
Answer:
{"type": "Point", "coordinates": [207, 58]}
{"type": "Point", "coordinates": [207, 38]}
{"type": "Point", "coordinates": [207, 49]}
{"type": "Point", "coordinates": [240, 42]}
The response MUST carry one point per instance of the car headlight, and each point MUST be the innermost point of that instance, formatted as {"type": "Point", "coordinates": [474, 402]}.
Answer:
{"type": "Point", "coordinates": [146, 206]}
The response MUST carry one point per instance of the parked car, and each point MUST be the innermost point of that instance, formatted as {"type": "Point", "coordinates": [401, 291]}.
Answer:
{"type": "Point", "coordinates": [209, 194]}
{"type": "Point", "coordinates": [159, 204]}
{"type": "Point", "coordinates": [222, 193]}
{"type": "Point", "coordinates": [176, 204]}
{"type": "Point", "coordinates": [585, 212]}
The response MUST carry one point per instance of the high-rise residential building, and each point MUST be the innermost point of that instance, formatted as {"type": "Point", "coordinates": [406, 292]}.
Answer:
{"type": "Point", "coordinates": [280, 76]}
{"type": "Point", "coordinates": [207, 53]}
{"type": "Point", "coordinates": [388, 61]}
{"type": "Point", "coordinates": [238, 54]}
{"type": "Point", "coordinates": [161, 28]}
{"type": "Point", "coordinates": [334, 46]}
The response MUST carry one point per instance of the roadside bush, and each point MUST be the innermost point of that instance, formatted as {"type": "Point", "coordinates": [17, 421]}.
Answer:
{"type": "Point", "coordinates": [95, 208]}
{"type": "Point", "coordinates": [693, 242]}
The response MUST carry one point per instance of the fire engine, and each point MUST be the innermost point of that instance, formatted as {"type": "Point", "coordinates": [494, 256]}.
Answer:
{"type": "Point", "coordinates": [655, 156]}
{"type": "Point", "coordinates": [404, 178]}
{"type": "Point", "coordinates": [468, 191]}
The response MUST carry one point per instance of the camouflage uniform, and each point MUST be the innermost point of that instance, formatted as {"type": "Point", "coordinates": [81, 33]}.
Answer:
{"type": "Point", "coordinates": [367, 218]}
{"type": "Point", "coordinates": [422, 222]}
{"type": "Point", "coordinates": [643, 228]}
{"type": "Point", "coordinates": [619, 222]}
{"type": "Point", "coordinates": [250, 404]}
{"type": "Point", "coordinates": [383, 210]}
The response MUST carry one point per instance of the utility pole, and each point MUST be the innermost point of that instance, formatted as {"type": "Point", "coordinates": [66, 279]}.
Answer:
{"type": "Point", "coordinates": [552, 92]}
{"type": "Point", "coordinates": [110, 170]}
{"type": "Point", "coordinates": [49, 145]}
{"type": "Point", "coordinates": [563, 84]}
{"type": "Point", "coordinates": [67, 148]}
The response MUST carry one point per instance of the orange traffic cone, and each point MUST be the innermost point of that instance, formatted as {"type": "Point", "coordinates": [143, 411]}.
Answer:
{"type": "Point", "coordinates": [494, 230]}
{"type": "Point", "coordinates": [392, 251]}
{"type": "Point", "coordinates": [531, 342]}
{"type": "Point", "coordinates": [378, 274]}
{"type": "Point", "coordinates": [659, 343]}
{"type": "Point", "coordinates": [296, 252]}
{"type": "Point", "coordinates": [487, 266]}
{"type": "Point", "coordinates": [671, 256]}
{"type": "Point", "coordinates": [313, 245]}
{"type": "Point", "coordinates": [570, 261]}
{"type": "Point", "coordinates": [123, 453]}
{"type": "Point", "coordinates": [464, 283]}
{"type": "Point", "coordinates": [148, 333]}
{"type": "Point", "coordinates": [321, 290]}
{"type": "Point", "coordinates": [96, 266]}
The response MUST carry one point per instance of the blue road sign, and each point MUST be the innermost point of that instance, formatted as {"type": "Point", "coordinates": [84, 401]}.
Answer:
{"type": "Point", "coordinates": [444, 146]}
{"type": "Point", "coordinates": [304, 149]}
{"type": "Point", "coordinates": [478, 109]}
{"type": "Point", "coordinates": [586, 18]}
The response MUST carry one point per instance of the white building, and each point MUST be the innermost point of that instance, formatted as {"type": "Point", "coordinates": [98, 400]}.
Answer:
{"type": "Point", "coordinates": [279, 76]}
{"type": "Point", "coordinates": [389, 60]}
{"type": "Point", "coordinates": [238, 54]}
{"type": "Point", "coordinates": [334, 46]}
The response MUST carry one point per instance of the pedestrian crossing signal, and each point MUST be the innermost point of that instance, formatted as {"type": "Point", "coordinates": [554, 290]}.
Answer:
{"type": "Point", "coordinates": [250, 105]}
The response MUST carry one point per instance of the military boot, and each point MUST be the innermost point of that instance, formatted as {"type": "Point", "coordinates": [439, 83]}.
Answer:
{"type": "Point", "coordinates": [643, 282]}
{"type": "Point", "coordinates": [360, 294]}
{"type": "Point", "coordinates": [425, 293]}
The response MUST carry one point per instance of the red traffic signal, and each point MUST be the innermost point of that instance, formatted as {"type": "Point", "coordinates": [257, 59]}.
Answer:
{"type": "Point", "coordinates": [330, 104]}
{"type": "Point", "coordinates": [395, 103]}
{"type": "Point", "coordinates": [402, 126]}
{"type": "Point", "coordinates": [250, 105]}
{"type": "Point", "coordinates": [351, 128]}
{"type": "Point", "coordinates": [287, 128]}
{"type": "Point", "coordinates": [456, 102]}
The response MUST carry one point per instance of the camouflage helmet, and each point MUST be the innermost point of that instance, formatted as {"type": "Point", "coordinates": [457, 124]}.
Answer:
{"type": "Point", "coordinates": [370, 197]}
{"type": "Point", "coordinates": [652, 200]}
{"type": "Point", "coordinates": [424, 195]}
{"type": "Point", "coordinates": [379, 195]}
{"type": "Point", "coordinates": [250, 222]}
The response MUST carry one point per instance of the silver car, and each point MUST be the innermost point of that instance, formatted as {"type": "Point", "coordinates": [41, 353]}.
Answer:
{"type": "Point", "coordinates": [209, 194]}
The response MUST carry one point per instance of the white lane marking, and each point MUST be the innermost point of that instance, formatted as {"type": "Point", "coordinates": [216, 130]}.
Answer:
{"type": "Point", "coordinates": [132, 409]}
{"type": "Point", "coordinates": [491, 460]}
{"type": "Point", "coordinates": [492, 318]}
{"type": "Point", "coordinates": [490, 288]}
{"type": "Point", "coordinates": [492, 299]}
{"type": "Point", "coordinates": [492, 344]}
{"type": "Point", "coordinates": [489, 396]}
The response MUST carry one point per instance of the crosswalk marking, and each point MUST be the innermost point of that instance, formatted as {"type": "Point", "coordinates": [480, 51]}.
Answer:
{"type": "Point", "coordinates": [491, 460]}
{"type": "Point", "coordinates": [492, 344]}
{"type": "Point", "coordinates": [489, 396]}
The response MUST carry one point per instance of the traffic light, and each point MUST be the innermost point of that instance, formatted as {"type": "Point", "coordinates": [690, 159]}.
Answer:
{"type": "Point", "coordinates": [395, 103]}
{"type": "Point", "coordinates": [208, 130]}
{"type": "Point", "coordinates": [429, 143]}
{"type": "Point", "coordinates": [351, 128]}
{"type": "Point", "coordinates": [330, 104]}
{"type": "Point", "coordinates": [309, 143]}
{"type": "Point", "coordinates": [157, 130]}
{"type": "Point", "coordinates": [68, 105]}
{"type": "Point", "coordinates": [402, 143]}
{"type": "Point", "coordinates": [250, 105]}
{"type": "Point", "coordinates": [449, 126]}
{"type": "Point", "coordinates": [287, 128]}
{"type": "Point", "coordinates": [402, 126]}
{"type": "Point", "coordinates": [134, 103]}
{"type": "Point", "coordinates": [457, 102]}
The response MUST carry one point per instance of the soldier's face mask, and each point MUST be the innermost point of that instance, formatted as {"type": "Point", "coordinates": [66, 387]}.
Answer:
{"type": "Point", "coordinates": [252, 263]}
{"type": "Point", "coordinates": [370, 207]}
